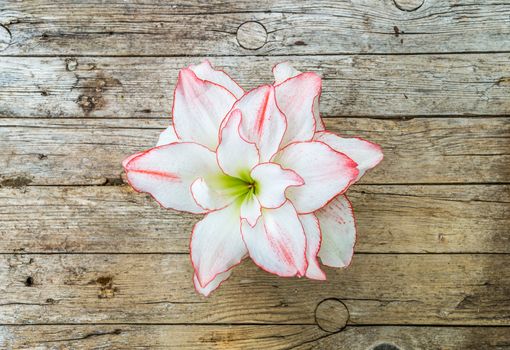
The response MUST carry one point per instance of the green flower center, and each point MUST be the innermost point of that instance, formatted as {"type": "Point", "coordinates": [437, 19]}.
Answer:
{"type": "Point", "coordinates": [241, 188]}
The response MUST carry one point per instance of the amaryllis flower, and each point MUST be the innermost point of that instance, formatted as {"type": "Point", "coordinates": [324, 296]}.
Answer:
{"type": "Point", "coordinates": [264, 171]}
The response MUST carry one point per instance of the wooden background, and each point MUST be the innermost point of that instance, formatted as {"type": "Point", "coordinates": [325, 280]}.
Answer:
{"type": "Point", "coordinates": [86, 263]}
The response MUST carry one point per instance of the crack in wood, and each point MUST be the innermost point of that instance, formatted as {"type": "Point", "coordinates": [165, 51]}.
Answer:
{"type": "Point", "coordinates": [86, 336]}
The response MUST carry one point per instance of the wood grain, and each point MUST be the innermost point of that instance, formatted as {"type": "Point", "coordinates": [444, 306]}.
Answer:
{"type": "Point", "coordinates": [86, 263]}
{"type": "Point", "coordinates": [90, 151]}
{"type": "Point", "coordinates": [374, 85]}
{"type": "Point", "coordinates": [192, 337]}
{"type": "Point", "coordinates": [429, 289]}
{"type": "Point", "coordinates": [412, 219]}
{"type": "Point", "coordinates": [196, 27]}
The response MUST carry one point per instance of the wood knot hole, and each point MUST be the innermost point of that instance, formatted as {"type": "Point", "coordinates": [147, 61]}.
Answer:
{"type": "Point", "coordinates": [5, 37]}
{"type": "Point", "coordinates": [71, 64]}
{"type": "Point", "coordinates": [29, 282]}
{"type": "Point", "coordinates": [331, 315]}
{"type": "Point", "coordinates": [251, 35]}
{"type": "Point", "coordinates": [408, 5]}
{"type": "Point", "coordinates": [385, 346]}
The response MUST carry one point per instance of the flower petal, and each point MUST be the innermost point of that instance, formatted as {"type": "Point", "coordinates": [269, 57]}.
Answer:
{"type": "Point", "coordinates": [313, 243]}
{"type": "Point", "coordinates": [338, 229]}
{"type": "Point", "coordinates": [277, 242]}
{"type": "Point", "coordinates": [205, 71]}
{"type": "Point", "coordinates": [166, 172]}
{"type": "Point", "coordinates": [236, 156]}
{"type": "Point", "coordinates": [283, 71]}
{"type": "Point", "coordinates": [131, 157]}
{"type": "Point", "coordinates": [209, 198]}
{"type": "Point", "coordinates": [325, 171]}
{"type": "Point", "coordinates": [365, 153]}
{"type": "Point", "coordinates": [167, 136]}
{"type": "Point", "coordinates": [263, 122]}
{"type": "Point", "coordinates": [319, 123]}
{"type": "Point", "coordinates": [216, 244]}
{"type": "Point", "coordinates": [250, 209]}
{"type": "Point", "coordinates": [199, 107]}
{"type": "Point", "coordinates": [272, 181]}
{"type": "Point", "coordinates": [296, 97]}
{"type": "Point", "coordinates": [211, 286]}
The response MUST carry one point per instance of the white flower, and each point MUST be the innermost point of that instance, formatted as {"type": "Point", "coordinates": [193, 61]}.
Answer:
{"type": "Point", "coordinates": [262, 168]}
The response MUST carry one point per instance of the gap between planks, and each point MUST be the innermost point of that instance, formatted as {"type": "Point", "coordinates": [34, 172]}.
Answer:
{"type": "Point", "coordinates": [438, 53]}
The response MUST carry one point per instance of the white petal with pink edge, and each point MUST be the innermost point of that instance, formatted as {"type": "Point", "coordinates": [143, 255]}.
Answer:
{"type": "Point", "coordinates": [166, 172]}
{"type": "Point", "coordinates": [319, 123]}
{"type": "Point", "coordinates": [216, 244]}
{"type": "Point", "coordinates": [167, 136]}
{"type": "Point", "coordinates": [211, 286]}
{"type": "Point", "coordinates": [338, 229]}
{"type": "Point", "coordinates": [365, 153]}
{"type": "Point", "coordinates": [236, 156]}
{"type": "Point", "coordinates": [313, 242]}
{"type": "Point", "coordinates": [250, 209]}
{"type": "Point", "coordinates": [126, 160]}
{"type": "Point", "coordinates": [271, 182]}
{"type": "Point", "coordinates": [277, 242]}
{"type": "Point", "coordinates": [263, 122]}
{"type": "Point", "coordinates": [199, 108]}
{"type": "Point", "coordinates": [295, 97]}
{"type": "Point", "coordinates": [208, 197]}
{"type": "Point", "coordinates": [206, 71]}
{"type": "Point", "coordinates": [325, 171]}
{"type": "Point", "coordinates": [283, 71]}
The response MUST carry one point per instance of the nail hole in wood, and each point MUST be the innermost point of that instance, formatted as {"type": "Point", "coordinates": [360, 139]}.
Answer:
{"type": "Point", "coordinates": [408, 5]}
{"type": "Point", "coordinates": [29, 282]}
{"type": "Point", "coordinates": [5, 37]}
{"type": "Point", "coordinates": [385, 346]}
{"type": "Point", "coordinates": [251, 35]}
{"type": "Point", "coordinates": [331, 315]}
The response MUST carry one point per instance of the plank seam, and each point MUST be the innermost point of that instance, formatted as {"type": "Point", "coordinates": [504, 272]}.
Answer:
{"type": "Point", "coordinates": [473, 52]}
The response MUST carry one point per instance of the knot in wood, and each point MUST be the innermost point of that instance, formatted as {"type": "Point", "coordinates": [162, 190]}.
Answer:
{"type": "Point", "coordinates": [71, 64]}
{"type": "Point", "coordinates": [251, 35]}
{"type": "Point", "coordinates": [408, 5]}
{"type": "Point", "coordinates": [5, 37]}
{"type": "Point", "coordinates": [331, 315]}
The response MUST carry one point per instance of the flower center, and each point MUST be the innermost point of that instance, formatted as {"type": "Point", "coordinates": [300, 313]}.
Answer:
{"type": "Point", "coordinates": [240, 187]}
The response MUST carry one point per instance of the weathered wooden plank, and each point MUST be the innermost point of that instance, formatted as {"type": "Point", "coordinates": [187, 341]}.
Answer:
{"type": "Point", "coordinates": [413, 219]}
{"type": "Point", "coordinates": [282, 27]}
{"type": "Point", "coordinates": [127, 87]}
{"type": "Point", "coordinates": [251, 337]}
{"type": "Point", "coordinates": [421, 150]}
{"type": "Point", "coordinates": [438, 289]}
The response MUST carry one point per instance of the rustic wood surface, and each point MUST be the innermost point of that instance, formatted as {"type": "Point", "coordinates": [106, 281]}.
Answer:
{"type": "Point", "coordinates": [353, 85]}
{"type": "Point", "coordinates": [240, 337]}
{"type": "Point", "coordinates": [286, 27]}
{"type": "Point", "coordinates": [87, 263]}
{"type": "Point", "coordinates": [391, 219]}
{"type": "Point", "coordinates": [377, 289]}
{"type": "Point", "coordinates": [422, 150]}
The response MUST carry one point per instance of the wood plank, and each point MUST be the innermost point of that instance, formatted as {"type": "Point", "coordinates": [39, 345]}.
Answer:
{"type": "Point", "coordinates": [378, 289]}
{"type": "Point", "coordinates": [196, 27]}
{"type": "Point", "coordinates": [250, 337]}
{"type": "Point", "coordinates": [90, 151]}
{"type": "Point", "coordinates": [381, 86]}
{"type": "Point", "coordinates": [412, 219]}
